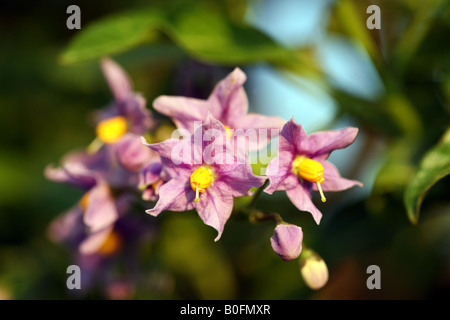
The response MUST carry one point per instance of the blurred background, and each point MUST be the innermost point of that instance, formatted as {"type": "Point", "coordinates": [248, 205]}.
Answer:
{"type": "Point", "coordinates": [315, 61]}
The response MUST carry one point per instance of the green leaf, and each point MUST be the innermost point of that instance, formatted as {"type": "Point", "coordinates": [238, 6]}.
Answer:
{"type": "Point", "coordinates": [424, 13]}
{"type": "Point", "coordinates": [209, 35]}
{"type": "Point", "coordinates": [113, 34]}
{"type": "Point", "coordinates": [434, 166]}
{"type": "Point", "coordinates": [202, 30]}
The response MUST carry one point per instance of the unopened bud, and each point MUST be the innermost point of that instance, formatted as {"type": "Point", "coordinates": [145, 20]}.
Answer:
{"type": "Point", "coordinates": [313, 269]}
{"type": "Point", "coordinates": [287, 241]}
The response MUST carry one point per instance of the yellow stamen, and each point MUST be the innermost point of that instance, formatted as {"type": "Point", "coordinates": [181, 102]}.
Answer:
{"type": "Point", "coordinates": [83, 203]}
{"type": "Point", "coordinates": [229, 131]}
{"type": "Point", "coordinates": [201, 179]}
{"type": "Point", "coordinates": [322, 197]}
{"type": "Point", "coordinates": [110, 245]}
{"type": "Point", "coordinates": [311, 171]}
{"type": "Point", "coordinates": [112, 129]}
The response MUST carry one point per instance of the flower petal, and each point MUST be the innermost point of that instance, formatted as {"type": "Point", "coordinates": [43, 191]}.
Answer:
{"type": "Point", "coordinates": [101, 210]}
{"type": "Point", "coordinates": [131, 153]}
{"type": "Point", "coordinates": [67, 226]}
{"type": "Point", "coordinates": [333, 180]}
{"type": "Point", "coordinates": [117, 79]}
{"type": "Point", "coordinates": [280, 167]}
{"type": "Point", "coordinates": [300, 196]}
{"type": "Point", "coordinates": [174, 195]}
{"type": "Point", "coordinates": [72, 174]}
{"type": "Point", "coordinates": [324, 142]}
{"type": "Point", "coordinates": [257, 130]}
{"type": "Point", "coordinates": [294, 134]}
{"type": "Point", "coordinates": [228, 101]}
{"type": "Point", "coordinates": [238, 182]}
{"type": "Point", "coordinates": [183, 111]}
{"type": "Point", "coordinates": [94, 241]}
{"type": "Point", "coordinates": [214, 208]}
{"type": "Point", "coordinates": [176, 156]}
{"type": "Point", "coordinates": [134, 110]}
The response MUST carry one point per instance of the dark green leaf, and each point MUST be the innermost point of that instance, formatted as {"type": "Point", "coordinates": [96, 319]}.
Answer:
{"type": "Point", "coordinates": [434, 166]}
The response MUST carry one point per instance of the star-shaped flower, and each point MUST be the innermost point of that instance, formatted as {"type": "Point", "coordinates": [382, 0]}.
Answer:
{"type": "Point", "coordinates": [227, 103]}
{"type": "Point", "coordinates": [301, 165]}
{"type": "Point", "coordinates": [127, 113]}
{"type": "Point", "coordinates": [204, 175]}
{"type": "Point", "coordinates": [86, 171]}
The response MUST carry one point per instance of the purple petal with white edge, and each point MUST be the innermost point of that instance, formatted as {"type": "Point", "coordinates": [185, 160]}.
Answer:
{"type": "Point", "coordinates": [300, 196]}
{"type": "Point", "coordinates": [324, 142]}
{"type": "Point", "coordinates": [117, 79]}
{"type": "Point", "coordinates": [214, 208]}
{"type": "Point", "coordinates": [94, 241]}
{"type": "Point", "coordinates": [132, 154]}
{"type": "Point", "coordinates": [287, 241]}
{"type": "Point", "coordinates": [228, 101]}
{"type": "Point", "coordinates": [101, 210]}
{"type": "Point", "coordinates": [174, 195]}
{"type": "Point", "coordinates": [333, 180]}
{"type": "Point", "coordinates": [183, 111]}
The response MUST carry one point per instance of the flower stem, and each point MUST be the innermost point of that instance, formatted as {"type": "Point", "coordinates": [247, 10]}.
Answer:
{"type": "Point", "coordinates": [257, 194]}
{"type": "Point", "coordinates": [259, 216]}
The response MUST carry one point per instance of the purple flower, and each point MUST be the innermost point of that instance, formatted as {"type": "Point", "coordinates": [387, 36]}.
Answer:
{"type": "Point", "coordinates": [127, 113]}
{"type": "Point", "coordinates": [84, 170]}
{"type": "Point", "coordinates": [301, 165]}
{"type": "Point", "coordinates": [287, 241]}
{"type": "Point", "coordinates": [204, 175]}
{"type": "Point", "coordinates": [227, 103]}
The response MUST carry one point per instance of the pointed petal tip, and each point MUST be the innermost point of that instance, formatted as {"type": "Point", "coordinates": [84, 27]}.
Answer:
{"type": "Point", "coordinates": [144, 141]}
{"type": "Point", "coordinates": [150, 212]}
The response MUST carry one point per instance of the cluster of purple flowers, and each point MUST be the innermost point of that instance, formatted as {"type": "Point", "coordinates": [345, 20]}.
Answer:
{"type": "Point", "coordinates": [203, 168]}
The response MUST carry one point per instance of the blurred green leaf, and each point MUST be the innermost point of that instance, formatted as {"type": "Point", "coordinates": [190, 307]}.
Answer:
{"type": "Point", "coordinates": [353, 22]}
{"type": "Point", "coordinates": [434, 166]}
{"type": "Point", "coordinates": [424, 13]}
{"type": "Point", "coordinates": [203, 30]}
{"type": "Point", "coordinates": [209, 35]}
{"type": "Point", "coordinates": [113, 34]}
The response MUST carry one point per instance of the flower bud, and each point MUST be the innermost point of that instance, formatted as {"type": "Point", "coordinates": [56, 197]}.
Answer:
{"type": "Point", "coordinates": [313, 269]}
{"type": "Point", "coordinates": [287, 241]}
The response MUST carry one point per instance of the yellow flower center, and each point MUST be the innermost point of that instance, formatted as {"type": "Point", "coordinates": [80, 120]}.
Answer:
{"type": "Point", "coordinates": [110, 245]}
{"type": "Point", "coordinates": [112, 129]}
{"type": "Point", "coordinates": [310, 170]}
{"type": "Point", "coordinates": [201, 179]}
{"type": "Point", "coordinates": [229, 131]}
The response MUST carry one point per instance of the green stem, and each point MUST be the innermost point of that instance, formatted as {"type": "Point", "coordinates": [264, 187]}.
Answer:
{"type": "Point", "coordinates": [257, 194]}
{"type": "Point", "coordinates": [259, 216]}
